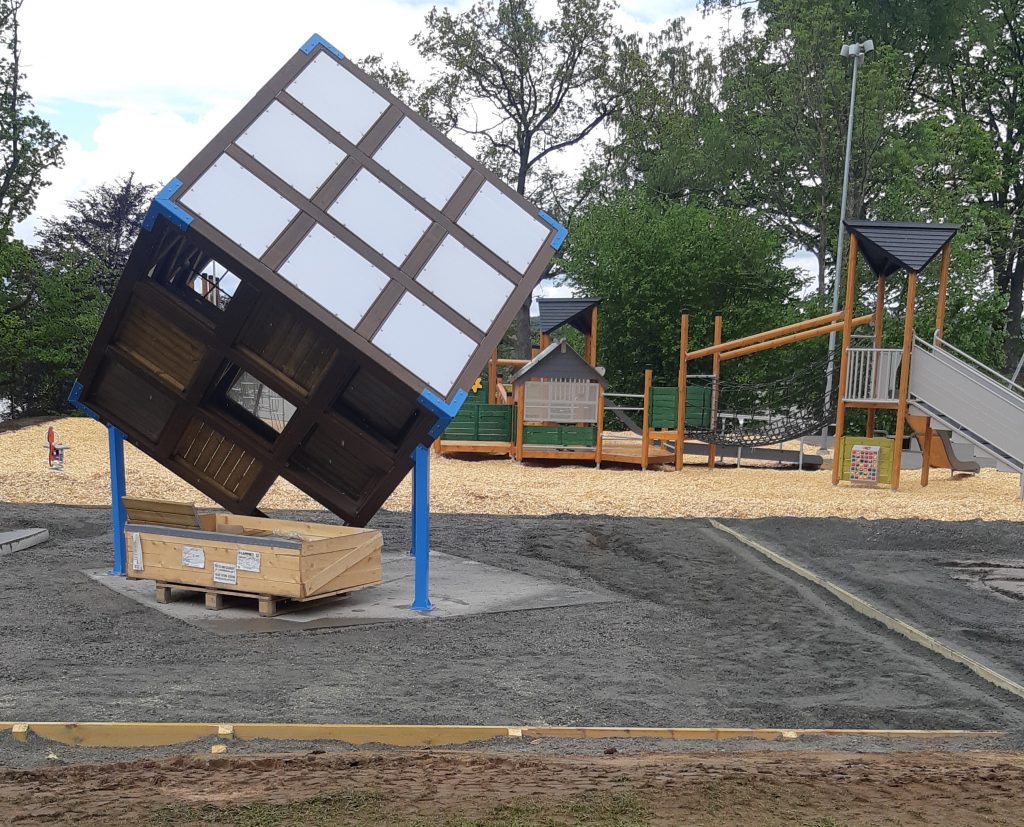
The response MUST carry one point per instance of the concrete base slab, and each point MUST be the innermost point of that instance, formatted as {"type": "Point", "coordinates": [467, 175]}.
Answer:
{"type": "Point", "coordinates": [458, 587]}
{"type": "Point", "coordinates": [22, 538]}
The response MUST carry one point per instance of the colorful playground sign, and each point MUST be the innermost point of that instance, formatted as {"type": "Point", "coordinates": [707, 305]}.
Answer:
{"type": "Point", "coordinates": [865, 460]}
{"type": "Point", "coordinates": [328, 245]}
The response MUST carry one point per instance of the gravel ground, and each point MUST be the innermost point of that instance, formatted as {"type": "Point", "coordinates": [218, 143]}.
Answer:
{"type": "Point", "coordinates": [708, 634]}
{"type": "Point", "coordinates": [501, 486]}
{"type": "Point", "coordinates": [960, 582]}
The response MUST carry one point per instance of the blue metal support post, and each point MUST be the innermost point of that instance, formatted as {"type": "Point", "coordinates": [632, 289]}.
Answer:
{"type": "Point", "coordinates": [118, 517]}
{"type": "Point", "coordinates": [421, 527]}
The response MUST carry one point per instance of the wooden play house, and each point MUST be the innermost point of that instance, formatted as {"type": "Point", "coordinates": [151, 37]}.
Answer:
{"type": "Point", "coordinates": [559, 406]}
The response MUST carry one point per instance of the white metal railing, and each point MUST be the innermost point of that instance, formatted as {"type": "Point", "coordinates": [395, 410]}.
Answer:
{"type": "Point", "coordinates": [989, 372]}
{"type": "Point", "coordinates": [561, 400]}
{"type": "Point", "coordinates": [872, 374]}
{"type": "Point", "coordinates": [970, 399]}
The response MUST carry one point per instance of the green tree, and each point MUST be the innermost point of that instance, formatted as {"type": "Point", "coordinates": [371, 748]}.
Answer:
{"type": "Point", "coordinates": [28, 145]}
{"type": "Point", "coordinates": [98, 230]}
{"type": "Point", "coordinates": [521, 86]}
{"type": "Point", "coordinates": [648, 260]}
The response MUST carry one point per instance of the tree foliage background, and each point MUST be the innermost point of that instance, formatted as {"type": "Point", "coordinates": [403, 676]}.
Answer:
{"type": "Point", "coordinates": [690, 174]}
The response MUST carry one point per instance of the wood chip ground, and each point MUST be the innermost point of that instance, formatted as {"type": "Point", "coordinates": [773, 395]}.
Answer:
{"type": "Point", "coordinates": [500, 486]}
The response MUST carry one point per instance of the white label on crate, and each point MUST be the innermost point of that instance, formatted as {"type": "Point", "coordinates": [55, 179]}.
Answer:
{"type": "Point", "coordinates": [225, 573]}
{"type": "Point", "coordinates": [193, 556]}
{"type": "Point", "coordinates": [136, 552]}
{"type": "Point", "coordinates": [248, 560]}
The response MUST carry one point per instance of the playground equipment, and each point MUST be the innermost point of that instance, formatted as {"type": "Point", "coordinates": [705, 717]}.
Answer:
{"type": "Point", "coordinates": [329, 247]}
{"type": "Point", "coordinates": [925, 383]}
{"type": "Point", "coordinates": [540, 424]}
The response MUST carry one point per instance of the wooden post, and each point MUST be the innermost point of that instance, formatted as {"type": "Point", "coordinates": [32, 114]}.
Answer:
{"type": "Point", "coordinates": [545, 340]}
{"type": "Point", "coordinates": [926, 451]}
{"type": "Point", "coordinates": [716, 371]}
{"type": "Point", "coordinates": [520, 400]}
{"type": "Point", "coordinates": [599, 445]}
{"type": "Point", "coordinates": [844, 355]}
{"type": "Point", "coordinates": [492, 378]}
{"type": "Point", "coordinates": [901, 411]}
{"type": "Point", "coordinates": [645, 437]}
{"type": "Point", "coordinates": [879, 316]}
{"type": "Point", "coordinates": [593, 336]}
{"type": "Point", "coordinates": [684, 338]}
{"type": "Point", "coordinates": [940, 307]}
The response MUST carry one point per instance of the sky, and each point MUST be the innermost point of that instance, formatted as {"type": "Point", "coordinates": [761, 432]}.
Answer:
{"type": "Point", "coordinates": [141, 87]}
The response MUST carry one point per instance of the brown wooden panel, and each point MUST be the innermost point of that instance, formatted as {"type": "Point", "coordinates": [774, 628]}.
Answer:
{"type": "Point", "coordinates": [157, 343]}
{"type": "Point", "coordinates": [216, 458]}
{"type": "Point", "coordinates": [116, 388]}
{"type": "Point", "coordinates": [297, 347]}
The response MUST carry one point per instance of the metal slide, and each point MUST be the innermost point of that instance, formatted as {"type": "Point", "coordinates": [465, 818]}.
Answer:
{"type": "Point", "coordinates": [788, 457]}
{"type": "Point", "coordinates": [961, 394]}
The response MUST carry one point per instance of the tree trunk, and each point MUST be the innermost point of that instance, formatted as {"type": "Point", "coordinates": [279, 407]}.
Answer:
{"type": "Point", "coordinates": [1014, 308]}
{"type": "Point", "coordinates": [524, 335]}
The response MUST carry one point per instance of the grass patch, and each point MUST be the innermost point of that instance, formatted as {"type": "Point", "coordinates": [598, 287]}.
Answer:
{"type": "Point", "coordinates": [365, 809]}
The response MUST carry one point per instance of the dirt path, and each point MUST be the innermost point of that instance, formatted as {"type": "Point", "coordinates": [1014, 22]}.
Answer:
{"type": "Point", "coordinates": [465, 789]}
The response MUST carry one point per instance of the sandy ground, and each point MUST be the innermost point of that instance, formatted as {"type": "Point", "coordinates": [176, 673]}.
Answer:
{"type": "Point", "coordinates": [474, 790]}
{"type": "Point", "coordinates": [500, 486]}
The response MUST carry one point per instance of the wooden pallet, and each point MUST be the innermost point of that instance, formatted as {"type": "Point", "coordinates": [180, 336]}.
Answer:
{"type": "Point", "coordinates": [269, 605]}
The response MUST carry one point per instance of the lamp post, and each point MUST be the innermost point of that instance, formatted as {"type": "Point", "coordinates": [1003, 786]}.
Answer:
{"type": "Point", "coordinates": [857, 52]}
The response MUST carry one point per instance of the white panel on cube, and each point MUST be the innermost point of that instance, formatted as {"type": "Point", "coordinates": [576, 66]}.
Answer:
{"type": "Point", "coordinates": [419, 160]}
{"type": "Point", "coordinates": [329, 271]}
{"type": "Point", "coordinates": [380, 216]}
{"type": "Point", "coordinates": [466, 283]}
{"type": "Point", "coordinates": [240, 205]}
{"type": "Point", "coordinates": [338, 97]}
{"type": "Point", "coordinates": [291, 149]}
{"type": "Point", "coordinates": [499, 222]}
{"type": "Point", "coordinates": [429, 346]}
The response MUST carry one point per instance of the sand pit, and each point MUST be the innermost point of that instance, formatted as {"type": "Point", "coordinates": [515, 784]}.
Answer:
{"type": "Point", "coordinates": [500, 486]}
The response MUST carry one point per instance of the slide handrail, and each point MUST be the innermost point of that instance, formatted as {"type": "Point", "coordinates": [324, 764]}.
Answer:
{"type": "Point", "coordinates": [938, 341]}
{"type": "Point", "coordinates": [973, 375]}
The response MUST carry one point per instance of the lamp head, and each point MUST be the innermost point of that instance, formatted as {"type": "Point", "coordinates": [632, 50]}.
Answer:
{"type": "Point", "coordinates": [869, 45]}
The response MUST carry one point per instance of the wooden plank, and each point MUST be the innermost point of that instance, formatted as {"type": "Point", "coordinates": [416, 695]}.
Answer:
{"type": "Point", "coordinates": [160, 512]}
{"type": "Point", "coordinates": [315, 580]}
{"type": "Point", "coordinates": [844, 353]}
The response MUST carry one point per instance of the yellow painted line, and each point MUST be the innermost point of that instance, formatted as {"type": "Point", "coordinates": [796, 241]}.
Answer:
{"type": "Point", "coordinates": [867, 609]}
{"type": "Point", "coordinates": [152, 734]}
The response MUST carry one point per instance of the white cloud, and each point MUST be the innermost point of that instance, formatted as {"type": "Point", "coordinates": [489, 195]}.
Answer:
{"type": "Point", "coordinates": [161, 79]}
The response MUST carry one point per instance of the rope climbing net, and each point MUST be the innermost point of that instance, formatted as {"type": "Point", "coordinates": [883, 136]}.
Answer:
{"type": "Point", "coordinates": [767, 413]}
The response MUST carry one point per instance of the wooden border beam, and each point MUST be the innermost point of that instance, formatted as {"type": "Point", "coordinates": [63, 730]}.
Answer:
{"type": "Point", "coordinates": [135, 734]}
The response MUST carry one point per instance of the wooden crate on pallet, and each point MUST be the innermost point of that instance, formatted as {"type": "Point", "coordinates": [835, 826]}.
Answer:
{"type": "Point", "coordinates": [252, 556]}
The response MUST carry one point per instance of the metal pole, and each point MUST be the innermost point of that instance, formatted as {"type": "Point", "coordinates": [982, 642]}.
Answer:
{"type": "Point", "coordinates": [118, 518]}
{"type": "Point", "coordinates": [842, 229]}
{"type": "Point", "coordinates": [421, 527]}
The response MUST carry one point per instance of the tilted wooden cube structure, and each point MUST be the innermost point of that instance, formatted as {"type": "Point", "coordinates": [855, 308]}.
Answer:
{"type": "Point", "coordinates": [328, 245]}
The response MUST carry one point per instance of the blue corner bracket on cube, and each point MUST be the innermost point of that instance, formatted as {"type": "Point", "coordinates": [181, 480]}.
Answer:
{"type": "Point", "coordinates": [75, 398]}
{"type": "Point", "coordinates": [315, 41]}
{"type": "Point", "coordinates": [444, 411]}
{"type": "Point", "coordinates": [560, 231]}
{"type": "Point", "coordinates": [163, 206]}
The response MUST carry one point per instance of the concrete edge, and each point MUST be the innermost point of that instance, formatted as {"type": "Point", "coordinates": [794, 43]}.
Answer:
{"type": "Point", "coordinates": [867, 609]}
{"type": "Point", "coordinates": [130, 734]}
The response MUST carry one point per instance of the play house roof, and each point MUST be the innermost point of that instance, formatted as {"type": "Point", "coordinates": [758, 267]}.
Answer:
{"type": "Point", "coordinates": [559, 361]}
{"type": "Point", "coordinates": [889, 247]}
{"type": "Point", "coordinates": [554, 313]}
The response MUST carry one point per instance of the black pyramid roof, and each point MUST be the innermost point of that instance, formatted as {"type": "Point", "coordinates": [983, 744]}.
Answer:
{"type": "Point", "coordinates": [557, 312]}
{"type": "Point", "coordinates": [889, 246]}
